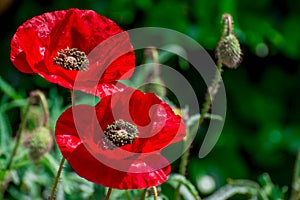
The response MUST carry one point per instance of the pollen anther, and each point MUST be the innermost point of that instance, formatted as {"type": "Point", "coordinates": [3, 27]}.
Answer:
{"type": "Point", "coordinates": [72, 59]}
{"type": "Point", "coordinates": [119, 134]}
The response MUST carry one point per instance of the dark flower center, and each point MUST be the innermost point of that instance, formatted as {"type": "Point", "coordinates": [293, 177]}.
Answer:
{"type": "Point", "coordinates": [119, 134]}
{"type": "Point", "coordinates": [72, 59]}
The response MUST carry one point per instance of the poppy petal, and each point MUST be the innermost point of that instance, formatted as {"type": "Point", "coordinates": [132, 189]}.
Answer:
{"type": "Point", "coordinates": [88, 167]}
{"type": "Point", "coordinates": [80, 131]}
{"type": "Point", "coordinates": [38, 40]}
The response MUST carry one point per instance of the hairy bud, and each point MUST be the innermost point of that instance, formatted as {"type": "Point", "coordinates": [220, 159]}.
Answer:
{"type": "Point", "coordinates": [229, 51]}
{"type": "Point", "coordinates": [35, 117]}
{"type": "Point", "coordinates": [39, 143]}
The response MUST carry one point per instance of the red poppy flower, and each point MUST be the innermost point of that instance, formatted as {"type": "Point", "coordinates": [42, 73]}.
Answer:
{"type": "Point", "coordinates": [118, 142]}
{"type": "Point", "coordinates": [77, 49]}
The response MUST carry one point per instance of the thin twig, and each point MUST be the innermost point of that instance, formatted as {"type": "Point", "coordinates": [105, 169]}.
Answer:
{"type": "Point", "coordinates": [62, 162]}
{"type": "Point", "coordinates": [108, 193]}
{"type": "Point", "coordinates": [20, 132]}
{"type": "Point", "coordinates": [155, 194]}
{"type": "Point", "coordinates": [143, 194]}
{"type": "Point", "coordinates": [43, 101]}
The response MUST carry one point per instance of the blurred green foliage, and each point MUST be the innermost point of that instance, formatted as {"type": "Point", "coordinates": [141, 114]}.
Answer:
{"type": "Point", "coordinates": [262, 130]}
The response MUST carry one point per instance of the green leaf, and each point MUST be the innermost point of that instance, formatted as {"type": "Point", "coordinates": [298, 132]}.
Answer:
{"type": "Point", "coordinates": [50, 163]}
{"type": "Point", "coordinates": [5, 130]}
{"type": "Point", "coordinates": [15, 103]}
{"type": "Point", "coordinates": [187, 189]}
{"type": "Point", "coordinates": [8, 89]}
{"type": "Point", "coordinates": [73, 184]}
{"type": "Point", "coordinates": [228, 191]}
{"type": "Point", "coordinates": [214, 117]}
{"type": "Point", "coordinates": [273, 191]}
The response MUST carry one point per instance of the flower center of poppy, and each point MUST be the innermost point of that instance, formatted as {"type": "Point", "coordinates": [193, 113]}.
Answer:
{"type": "Point", "coordinates": [119, 134]}
{"type": "Point", "coordinates": [72, 59]}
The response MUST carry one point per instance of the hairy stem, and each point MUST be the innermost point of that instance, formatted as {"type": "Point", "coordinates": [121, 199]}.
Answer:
{"type": "Point", "coordinates": [155, 194]}
{"type": "Point", "coordinates": [184, 160]}
{"type": "Point", "coordinates": [227, 24]}
{"type": "Point", "coordinates": [20, 132]}
{"type": "Point", "coordinates": [108, 193]}
{"type": "Point", "coordinates": [211, 92]}
{"type": "Point", "coordinates": [43, 100]}
{"type": "Point", "coordinates": [62, 162]}
{"type": "Point", "coordinates": [143, 194]}
{"type": "Point", "coordinates": [183, 165]}
{"type": "Point", "coordinates": [44, 103]}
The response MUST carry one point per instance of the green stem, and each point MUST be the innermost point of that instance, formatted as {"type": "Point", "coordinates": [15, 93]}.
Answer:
{"type": "Point", "coordinates": [143, 195]}
{"type": "Point", "coordinates": [44, 103]}
{"type": "Point", "coordinates": [155, 194]}
{"type": "Point", "coordinates": [211, 92]}
{"type": "Point", "coordinates": [20, 132]}
{"type": "Point", "coordinates": [24, 120]}
{"type": "Point", "coordinates": [128, 195]}
{"type": "Point", "coordinates": [155, 57]}
{"type": "Point", "coordinates": [226, 24]}
{"type": "Point", "coordinates": [184, 160]}
{"type": "Point", "coordinates": [295, 194]}
{"type": "Point", "coordinates": [108, 193]}
{"type": "Point", "coordinates": [182, 165]}
{"type": "Point", "coordinates": [62, 162]}
{"type": "Point", "coordinates": [177, 192]}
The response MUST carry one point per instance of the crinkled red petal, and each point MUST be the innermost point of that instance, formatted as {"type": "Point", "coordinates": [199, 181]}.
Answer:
{"type": "Point", "coordinates": [86, 166]}
{"type": "Point", "coordinates": [79, 131]}
{"type": "Point", "coordinates": [145, 171]}
{"type": "Point", "coordinates": [67, 128]}
{"type": "Point", "coordinates": [157, 124]}
{"type": "Point", "coordinates": [37, 41]}
{"type": "Point", "coordinates": [156, 131]}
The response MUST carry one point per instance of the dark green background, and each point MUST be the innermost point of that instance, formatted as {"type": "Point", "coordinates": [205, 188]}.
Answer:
{"type": "Point", "coordinates": [262, 130]}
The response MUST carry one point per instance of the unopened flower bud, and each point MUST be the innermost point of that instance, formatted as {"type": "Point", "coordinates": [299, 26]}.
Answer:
{"type": "Point", "coordinates": [156, 86]}
{"type": "Point", "coordinates": [35, 118]}
{"type": "Point", "coordinates": [39, 143]}
{"type": "Point", "coordinates": [229, 51]}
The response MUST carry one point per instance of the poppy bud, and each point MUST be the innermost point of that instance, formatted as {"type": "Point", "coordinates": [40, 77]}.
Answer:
{"type": "Point", "coordinates": [156, 86]}
{"type": "Point", "coordinates": [34, 117]}
{"type": "Point", "coordinates": [39, 143]}
{"type": "Point", "coordinates": [229, 51]}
